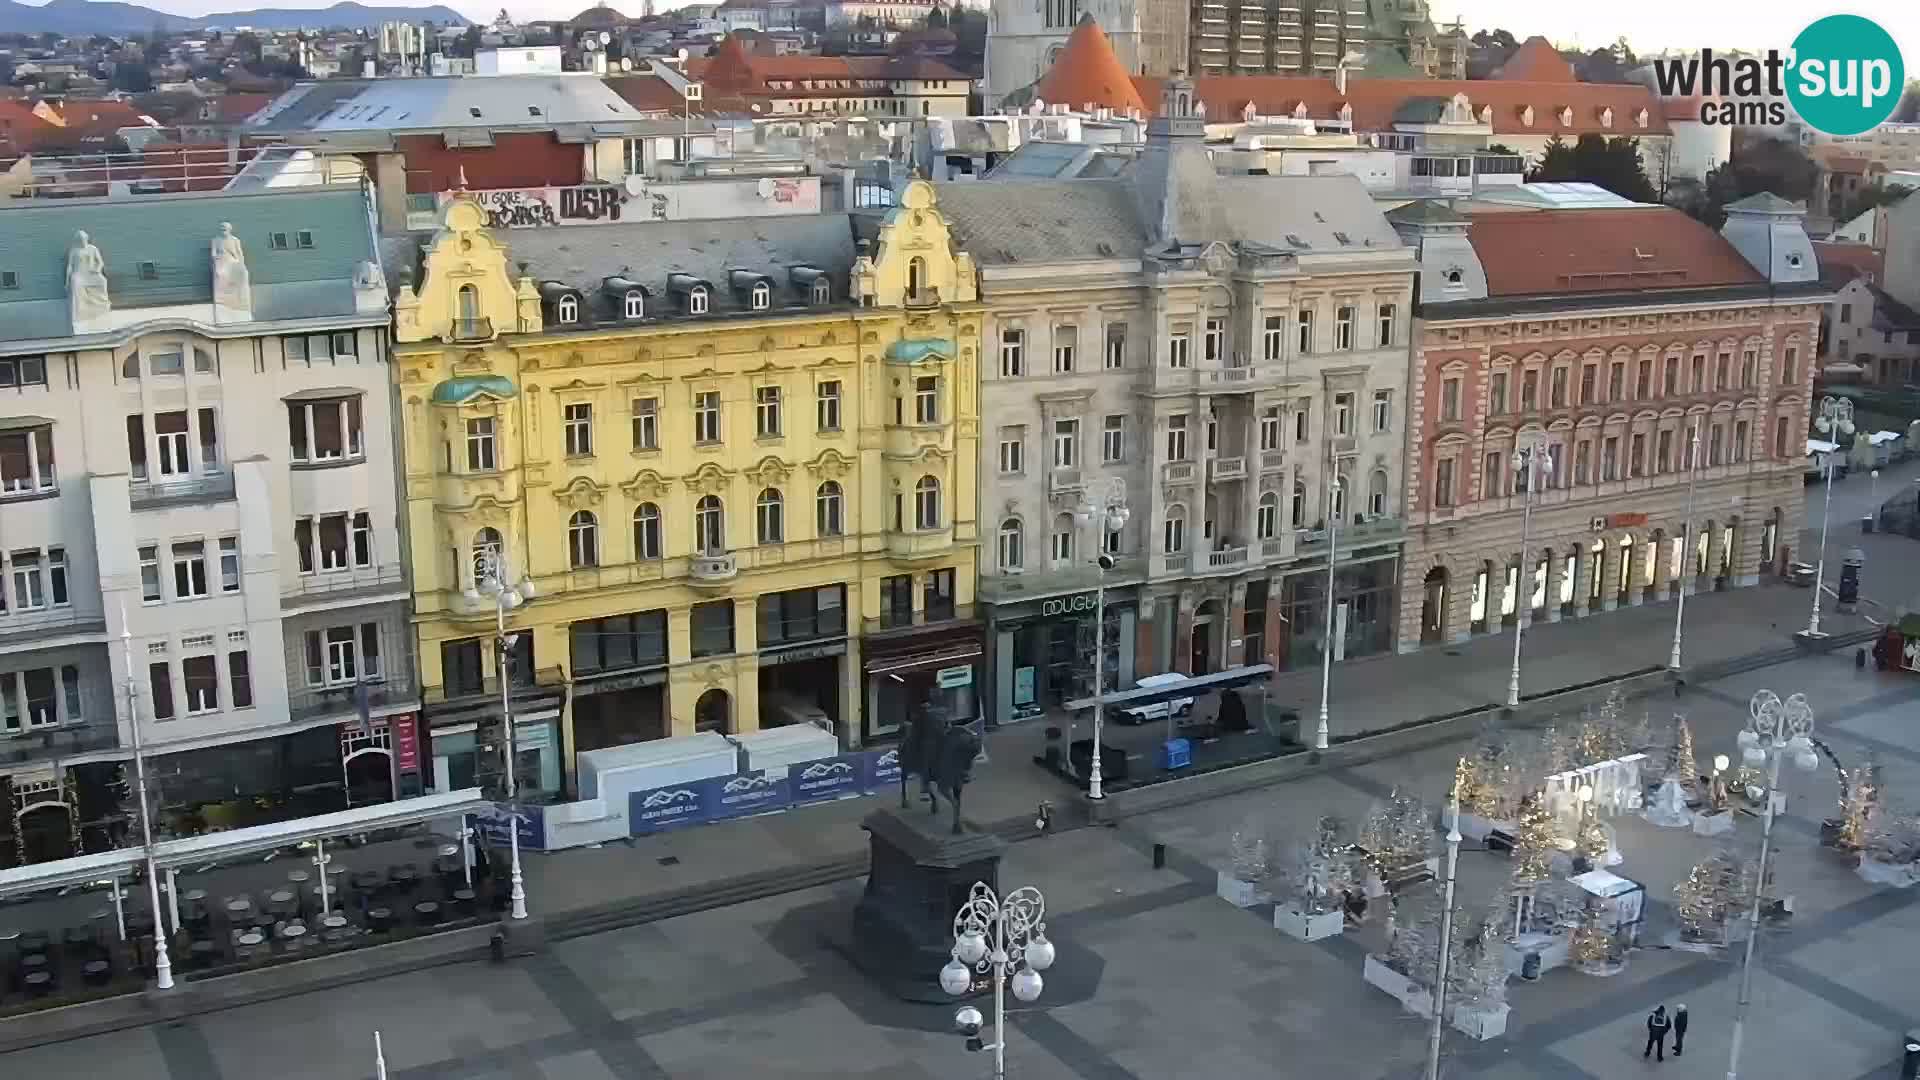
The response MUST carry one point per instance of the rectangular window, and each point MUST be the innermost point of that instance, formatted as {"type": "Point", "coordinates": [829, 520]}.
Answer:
{"type": "Point", "coordinates": [1013, 353]}
{"type": "Point", "coordinates": [646, 423]}
{"type": "Point", "coordinates": [1497, 394]}
{"type": "Point", "coordinates": [136, 448]}
{"type": "Point", "coordinates": [1699, 369]}
{"type": "Point", "coordinates": [706, 416]}
{"type": "Point", "coordinates": [1780, 437]}
{"type": "Point", "coordinates": [578, 425]}
{"type": "Point", "coordinates": [1610, 458]}
{"type": "Point", "coordinates": [362, 525]}
{"type": "Point", "coordinates": [325, 430]}
{"type": "Point", "coordinates": [202, 676]}
{"type": "Point", "coordinates": [1589, 382]}
{"type": "Point", "coordinates": [1643, 381]}
{"type": "Point", "coordinates": [1740, 440]}
{"type": "Point", "coordinates": [1063, 343]}
{"type": "Point", "coordinates": [209, 441]}
{"type": "Point", "coordinates": [937, 595]}
{"type": "Point", "coordinates": [1270, 428]}
{"type": "Point", "coordinates": [1343, 328]}
{"type": "Point", "coordinates": [1723, 371]}
{"type": "Point", "coordinates": [1617, 381]}
{"type": "Point", "coordinates": [22, 371]}
{"type": "Point", "coordinates": [480, 456]}
{"type": "Point", "coordinates": [1582, 460]}
{"type": "Point", "coordinates": [1443, 482]}
{"type": "Point", "coordinates": [240, 679]}
{"type": "Point", "coordinates": [1013, 450]}
{"type": "Point", "coordinates": [1790, 367]}
{"type": "Point", "coordinates": [1113, 438]}
{"type": "Point", "coordinates": [1529, 391]}
{"type": "Point", "coordinates": [1637, 454]}
{"type": "Point", "coordinates": [1670, 379]}
{"type": "Point", "coordinates": [1216, 340]}
{"type": "Point", "coordinates": [712, 628]}
{"type": "Point", "coordinates": [1066, 439]}
{"type": "Point", "coordinates": [801, 615]}
{"type": "Point", "coordinates": [766, 412]}
{"type": "Point", "coordinates": [1749, 367]}
{"type": "Point", "coordinates": [1179, 351]}
{"type": "Point", "coordinates": [29, 583]}
{"type": "Point", "coordinates": [229, 564]}
{"type": "Point", "coordinates": [1559, 388]}
{"type": "Point", "coordinates": [1343, 414]}
{"type": "Point", "coordinates": [150, 575]}
{"type": "Point", "coordinates": [460, 667]}
{"type": "Point", "coordinates": [333, 542]}
{"type": "Point", "coordinates": [1494, 481]}
{"type": "Point", "coordinates": [826, 405]}
{"type": "Point", "coordinates": [57, 576]}
{"type": "Point", "coordinates": [619, 642]}
{"type": "Point", "coordinates": [189, 570]}
{"type": "Point", "coordinates": [1382, 411]}
{"type": "Point", "coordinates": [1716, 444]}
{"type": "Point", "coordinates": [1305, 336]}
{"type": "Point", "coordinates": [926, 399]}
{"type": "Point", "coordinates": [1663, 452]}
{"type": "Point", "coordinates": [160, 689]}
{"type": "Point", "coordinates": [1388, 313]}
{"type": "Point", "coordinates": [1116, 356]}
{"type": "Point", "coordinates": [896, 600]}
{"type": "Point", "coordinates": [1302, 414]}
{"type": "Point", "coordinates": [170, 438]}
{"type": "Point", "coordinates": [1273, 341]}
{"type": "Point", "coordinates": [1450, 400]}
{"type": "Point", "coordinates": [1177, 437]}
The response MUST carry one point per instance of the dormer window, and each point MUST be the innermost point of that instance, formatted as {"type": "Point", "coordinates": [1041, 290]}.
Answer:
{"type": "Point", "coordinates": [1526, 116]}
{"type": "Point", "coordinates": [761, 296]}
{"type": "Point", "coordinates": [567, 310]}
{"type": "Point", "coordinates": [1456, 277]}
{"type": "Point", "coordinates": [1606, 117]}
{"type": "Point", "coordinates": [822, 293]}
{"type": "Point", "coordinates": [1640, 118]}
{"type": "Point", "coordinates": [697, 300]}
{"type": "Point", "coordinates": [635, 306]}
{"type": "Point", "coordinates": [1566, 116]}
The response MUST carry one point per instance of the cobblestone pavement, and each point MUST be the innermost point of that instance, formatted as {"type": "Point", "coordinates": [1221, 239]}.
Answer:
{"type": "Point", "coordinates": [1156, 978]}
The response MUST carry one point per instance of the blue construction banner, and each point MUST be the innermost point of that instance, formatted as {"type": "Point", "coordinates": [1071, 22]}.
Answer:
{"type": "Point", "coordinates": [883, 769]}
{"type": "Point", "coordinates": [491, 824]}
{"type": "Point", "coordinates": [754, 792]}
{"type": "Point", "coordinates": [829, 778]}
{"type": "Point", "coordinates": [654, 809]}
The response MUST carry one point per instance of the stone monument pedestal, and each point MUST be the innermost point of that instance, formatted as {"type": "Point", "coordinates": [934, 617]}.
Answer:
{"type": "Point", "coordinates": [902, 932]}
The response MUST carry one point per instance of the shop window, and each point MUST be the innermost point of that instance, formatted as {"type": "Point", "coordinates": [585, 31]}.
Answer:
{"type": "Point", "coordinates": [712, 628]}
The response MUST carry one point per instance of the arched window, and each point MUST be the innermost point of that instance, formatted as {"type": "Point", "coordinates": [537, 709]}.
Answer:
{"type": "Point", "coordinates": [1297, 512]}
{"type": "Point", "coordinates": [1377, 493]}
{"type": "Point", "coordinates": [769, 512]}
{"type": "Point", "coordinates": [487, 549]}
{"type": "Point", "coordinates": [828, 513]}
{"type": "Point", "coordinates": [646, 532]}
{"type": "Point", "coordinates": [926, 503]}
{"type": "Point", "coordinates": [822, 291]}
{"type": "Point", "coordinates": [1012, 545]}
{"type": "Point", "coordinates": [697, 300]}
{"type": "Point", "coordinates": [916, 277]}
{"type": "Point", "coordinates": [636, 304]}
{"type": "Point", "coordinates": [1174, 532]}
{"type": "Point", "coordinates": [1266, 519]}
{"type": "Point", "coordinates": [468, 299]}
{"type": "Point", "coordinates": [761, 296]}
{"type": "Point", "coordinates": [710, 526]}
{"type": "Point", "coordinates": [567, 310]}
{"type": "Point", "coordinates": [1062, 540]}
{"type": "Point", "coordinates": [713, 712]}
{"type": "Point", "coordinates": [583, 540]}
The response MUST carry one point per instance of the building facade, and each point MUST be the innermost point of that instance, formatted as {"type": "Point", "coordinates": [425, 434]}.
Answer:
{"type": "Point", "coordinates": [1649, 336]}
{"type": "Point", "coordinates": [1212, 352]}
{"type": "Point", "coordinates": [1314, 37]}
{"type": "Point", "coordinates": [195, 462]}
{"type": "Point", "coordinates": [735, 459]}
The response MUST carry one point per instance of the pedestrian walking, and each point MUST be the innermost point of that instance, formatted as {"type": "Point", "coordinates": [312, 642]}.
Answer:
{"type": "Point", "coordinates": [1679, 1027]}
{"type": "Point", "coordinates": [1657, 1027]}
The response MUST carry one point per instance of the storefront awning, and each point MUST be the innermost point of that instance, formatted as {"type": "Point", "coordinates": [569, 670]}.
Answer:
{"type": "Point", "coordinates": [82, 870]}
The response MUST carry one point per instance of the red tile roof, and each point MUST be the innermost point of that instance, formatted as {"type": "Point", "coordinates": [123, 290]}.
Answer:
{"type": "Point", "coordinates": [1375, 101]}
{"type": "Point", "coordinates": [1537, 61]}
{"type": "Point", "coordinates": [1596, 251]}
{"type": "Point", "coordinates": [647, 92]}
{"type": "Point", "coordinates": [234, 108]}
{"type": "Point", "coordinates": [1841, 263]}
{"type": "Point", "coordinates": [732, 71]}
{"type": "Point", "coordinates": [1088, 73]}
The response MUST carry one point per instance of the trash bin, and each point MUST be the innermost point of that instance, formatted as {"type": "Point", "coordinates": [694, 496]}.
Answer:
{"type": "Point", "coordinates": [1910, 1065]}
{"type": "Point", "coordinates": [1530, 966]}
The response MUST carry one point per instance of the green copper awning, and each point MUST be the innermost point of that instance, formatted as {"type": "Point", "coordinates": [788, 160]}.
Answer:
{"type": "Point", "coordinates": [462, 390]}
{"type": "Point", "coordinates": [914, 352]}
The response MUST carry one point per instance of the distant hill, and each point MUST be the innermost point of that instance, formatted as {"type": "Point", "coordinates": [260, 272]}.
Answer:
{"type": "Point", "coordinates": [103, 17]}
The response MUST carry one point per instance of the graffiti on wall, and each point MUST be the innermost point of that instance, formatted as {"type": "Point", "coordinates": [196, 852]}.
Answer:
{"type": "Point", "coordinates": [533, 208]}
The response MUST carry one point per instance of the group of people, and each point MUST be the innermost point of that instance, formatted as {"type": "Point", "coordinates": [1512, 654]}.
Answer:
{"type": "Point", "coordinates": [1659, 1024]}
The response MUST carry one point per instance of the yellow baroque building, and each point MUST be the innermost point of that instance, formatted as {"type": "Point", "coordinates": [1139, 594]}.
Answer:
{"type": "Point", "coordinates": [735, 461]}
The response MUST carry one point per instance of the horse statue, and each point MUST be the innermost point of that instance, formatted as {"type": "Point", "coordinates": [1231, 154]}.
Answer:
{"type": "Point", "coordinates": [941, 753]}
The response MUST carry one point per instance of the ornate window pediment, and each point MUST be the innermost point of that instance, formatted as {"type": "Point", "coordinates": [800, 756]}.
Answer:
{"type": "Point", "coordinates": [646, 484]}
{"type": "Point", "coordinates": [830, 465]}
{"type": "Point", "coordinates": [770, 472]}
{"type": "Point", "coordinates": [708, 479]}
{"type": "Point", "coordinates": [580, 493]}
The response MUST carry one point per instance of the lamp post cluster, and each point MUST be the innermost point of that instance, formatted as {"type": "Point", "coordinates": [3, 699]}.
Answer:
{"type": "Point", "coordinates": [491, 581]}
{"type": "Point", "coordinates": [1529, 464]}
{"type": "Point", "coordinates": [1112, 518]}
{"type": "Point", "coordinates": [1006, 938]}
{"type": "Point", "coordinates": [1776, 730]}
{"type": "Point", "coordinates": [1686, 543]}
{"type": "Point", "coordinates": [162, 965]}
{"type": "Point", "coordinates": [1835, 417]}
{"type": "Point", "coordinates": [1326, 638]}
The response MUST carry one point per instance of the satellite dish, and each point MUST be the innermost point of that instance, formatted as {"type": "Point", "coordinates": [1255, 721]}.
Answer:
{"type": "Point", "coordinates": [683, 56]}
{"type": "Point", "coordinates": [605, 37]}
{"type": "Point", "coordinates": [626, 64]}
{"type": "Point", "coordinates": [765, 187]}
{"type": "Point", "coordinates": [636, 185]}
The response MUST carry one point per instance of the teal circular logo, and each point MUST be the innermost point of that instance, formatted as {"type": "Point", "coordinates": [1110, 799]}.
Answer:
{"type": "Point", "coordinates": [1846, 75]}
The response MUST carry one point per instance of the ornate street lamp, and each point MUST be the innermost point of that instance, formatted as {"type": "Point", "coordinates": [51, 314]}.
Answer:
{"type": "Point", "coordinates": [1686, 544]}
{"type": "Point", "coordinates": [1326, 639]}
{"type": "Point", "coordinates": [1835, 418]}
{"type": "Point", "coordinates": [490, 581]}
{"type": "Point", "coordinates": [1112, 518]}
{"type": "Point", "coordinates": [1530, 462]}
{"type": "Point", "coordinates": [1005, 937]}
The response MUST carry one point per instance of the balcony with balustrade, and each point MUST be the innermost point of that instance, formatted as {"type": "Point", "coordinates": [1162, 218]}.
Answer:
{"type": "Point", "coordinates": [343, 587]}
{"type": "Point", "coordinates": [199, 488]}
{"type": "Point", "coordinates": [920, 545]}
{"type": "Point", "coordinates": [1227, 468]}
{"type": "Point", "coordinates": [712, 571]}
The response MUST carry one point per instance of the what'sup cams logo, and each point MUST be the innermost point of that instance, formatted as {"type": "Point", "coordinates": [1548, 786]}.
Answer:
{"type": "Point", "coordinates": [1843, 75]}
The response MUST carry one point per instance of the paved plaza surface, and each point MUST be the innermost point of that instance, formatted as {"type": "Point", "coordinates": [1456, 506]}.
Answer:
{"type": "Point", "coordinates": [1156, 977]}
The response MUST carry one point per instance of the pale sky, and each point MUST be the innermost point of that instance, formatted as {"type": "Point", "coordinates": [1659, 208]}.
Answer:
{"type": "Point", "coordinates": [1649, 25]}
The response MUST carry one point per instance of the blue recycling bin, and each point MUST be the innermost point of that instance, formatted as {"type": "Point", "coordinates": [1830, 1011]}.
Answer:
{"type": "Point", "coordinates": [1176, 754]}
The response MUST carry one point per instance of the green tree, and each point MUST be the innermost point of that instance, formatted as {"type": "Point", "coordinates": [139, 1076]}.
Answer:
{"type": "Point", "coordinates": [937, 18]}
{"type": "Point", "coordinates": [1613, 164]}
{"type": "Point", "coordinates": [1555, 164]}
{"type": "Point", "coordinates": [133, 78]}
{"type": "Point", "coordinates": [1770, 165]}
{"type": "Point", "coordinates": [1879, 193]}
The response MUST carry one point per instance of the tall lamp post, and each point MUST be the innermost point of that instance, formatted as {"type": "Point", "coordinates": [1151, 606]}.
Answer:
{"type": "Point", "coordinates": [1446, 944]}
{"type": "Point", "coordinates": [1529, 462]}
{"type": "Point", "coordinates": [1326, 638]}
{"type": "Point", "coordinates": [1113, 518]}
{"type": "Point", "coordinates": [1835, 418]}
{"type": "Point", "coordinates": [1776, 730]}
{"type": "Point", "coordinates": [490, 580]}
{"type": "Point", "coordinates": [1686, 543]}
{"type": "Point", "coordinates": [162, 965]}
{"type": "Point", "coordinates": [1005, 937]}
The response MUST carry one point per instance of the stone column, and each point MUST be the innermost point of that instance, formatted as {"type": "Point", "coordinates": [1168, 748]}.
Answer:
{"type": "Point", "coordinates": [1151, 611]}
{"type": "Point", "coordinates": [1556, 573]}
{"type": "Point", "coordinates": [1181, 608]}
{"type": "Point", "coordinates": [1276, 627]}
{"type": "Point", "coordinates": [1232, 645]}
{"type": "Point", "coordinates": [1413, 596]}
{"type": "Point", "coordinates": [1636, 572]}
{"type": "Point", "coordinates": [1661, 566]}
{"type": "Point", "coordinates": [1460, 602]}
{"type": "Point", "coordinates": [1583, 579]}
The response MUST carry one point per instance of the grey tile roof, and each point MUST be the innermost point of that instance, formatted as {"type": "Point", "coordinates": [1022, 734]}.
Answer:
{"type": "Point", "coordinates": [1043, 221]}
{"type": "Point", "coordinates": [570, 104]}
{"type": "Point", "coordinates": [1322, 210]}
{"type": "Point", "coordinates": [174, 234]}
